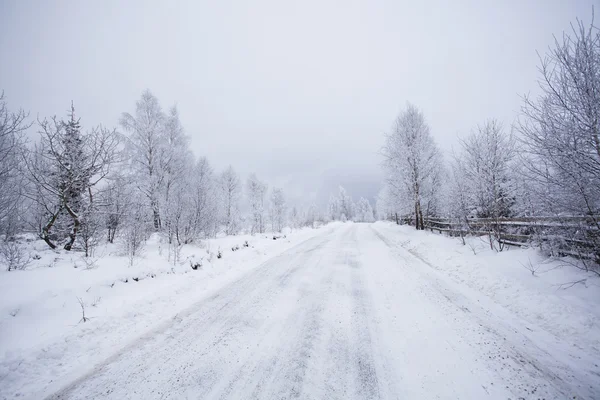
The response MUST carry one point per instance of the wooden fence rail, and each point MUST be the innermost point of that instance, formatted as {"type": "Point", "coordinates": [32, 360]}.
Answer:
{"type": "Point", "coordinates": [566, 235]}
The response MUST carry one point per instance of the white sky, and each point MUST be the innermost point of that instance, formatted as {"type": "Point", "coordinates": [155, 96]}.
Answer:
{"type": "Point", "coordinates": [298, 92]}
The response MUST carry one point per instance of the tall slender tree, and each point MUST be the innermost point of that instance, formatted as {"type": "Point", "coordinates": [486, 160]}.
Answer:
{"type": "Point", "coordinates": [412, 160]}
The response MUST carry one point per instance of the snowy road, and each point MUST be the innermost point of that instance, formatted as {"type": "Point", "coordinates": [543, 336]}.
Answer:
{"type": "Point", "coordinates": [344, 315]}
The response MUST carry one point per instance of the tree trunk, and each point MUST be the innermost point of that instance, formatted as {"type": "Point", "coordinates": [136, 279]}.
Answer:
{"type": "Point", "coordinates": [417, 214]}
{"type": "Point", "coordinates": [419, 224]}
{"type": "Point", "coordinates": [73, 233]}
{"type": "Point", "coordinates": [47, 227]}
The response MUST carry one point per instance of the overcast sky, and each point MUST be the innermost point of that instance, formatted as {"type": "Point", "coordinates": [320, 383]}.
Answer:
{"type": "Point", "coordinates": [299, 92]}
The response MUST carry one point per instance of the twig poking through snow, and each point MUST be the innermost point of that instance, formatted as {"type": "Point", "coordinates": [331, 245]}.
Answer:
{"type": "Point", "coordinates": [568, 285]}
{"type": "Point", "coordinates": [82, 304]}
{"type": "Point", "coordinates": [531, 267]}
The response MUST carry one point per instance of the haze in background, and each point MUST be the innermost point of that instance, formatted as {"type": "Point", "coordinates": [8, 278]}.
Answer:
{"type": "Point", "coordinates": [298, 92]}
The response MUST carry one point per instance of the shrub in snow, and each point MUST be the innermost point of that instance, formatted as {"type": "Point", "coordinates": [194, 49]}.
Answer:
{"type": "Point", "coordinates": [13, 255]}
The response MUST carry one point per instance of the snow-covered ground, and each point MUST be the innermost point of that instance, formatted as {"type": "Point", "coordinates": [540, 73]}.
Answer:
{"type": "Point", "coordinates": [43, 343]}
{"type": "Point", "coordinates": [544, 324]}
{"type": "Point", "coordinates": [357, 311]}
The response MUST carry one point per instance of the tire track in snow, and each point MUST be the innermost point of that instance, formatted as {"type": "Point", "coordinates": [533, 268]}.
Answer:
{"type": "Point", "coordinates": [192, 361]}
{"type": "Point", "coordinates": [515, 360]}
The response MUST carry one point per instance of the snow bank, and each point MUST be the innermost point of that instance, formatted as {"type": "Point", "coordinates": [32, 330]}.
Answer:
{"type": "Point", "coordinates": [556, 307]}
{"type": "Point", "coordinates": [44, 343]}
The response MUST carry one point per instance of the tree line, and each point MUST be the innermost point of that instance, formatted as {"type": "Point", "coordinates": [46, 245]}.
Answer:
{"type": "Point", "coordinates": [76, 187]}
{"type": "Point", "coordinates": [546, 164]}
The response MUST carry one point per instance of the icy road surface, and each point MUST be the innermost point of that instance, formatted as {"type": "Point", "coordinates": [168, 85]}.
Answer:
{"type": "Point", "coordinates": [344, 315]}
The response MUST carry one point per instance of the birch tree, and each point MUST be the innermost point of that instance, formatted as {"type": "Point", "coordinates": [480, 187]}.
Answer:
{"type": "Point", "coordinates": [230, 187]}
{"type": "Point", "coordinates": [412, 160]}
{"type": "Point", "coordinates": [256, 192]}
{"type": "Point", "coordinates": [147, 144]}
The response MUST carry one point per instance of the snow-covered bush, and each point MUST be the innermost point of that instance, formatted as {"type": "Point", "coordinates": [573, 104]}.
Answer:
{"type": "Point", "coordinates": [14, 255]}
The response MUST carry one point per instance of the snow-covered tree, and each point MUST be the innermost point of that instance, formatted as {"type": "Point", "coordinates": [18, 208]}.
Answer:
{"type": "Point", "coordinates": [486, 164]}
{"type": "Point", "coordinates": [64, 170]}
{"type": "Point", "coordinates": [295, 218]}
{"type": "Point", "coordinates": [177, 163]}
{"type": "Point", "coordinates": [345, 204]}
{"type": "Point", "coordinates": [256, 192]}
{"type": "Point", "coordinates": [412, 161]}
{"type": "Point", "coordinates": [561, 128]}
{"type": "Point", "coordinates": [364, 211]}
{"type": "Point", "coordinates": [333, 208]}
{"type": "Point", "coordinates": [311, 216]}
{"type": "Point", "coordinates": [387, 204]}
{"type": "Point", "coordinates": [278, 210]}
{"type": "Point", "coordinates": [205, 208]}
{"type": "Point", "coordinates": [12, 128]}
{"type": "Point", "coordinates": [117, 199]}
{"type": "Point", "coordinates": [147, 145]}
{"type": "Point", "coordinates": [230, 188]}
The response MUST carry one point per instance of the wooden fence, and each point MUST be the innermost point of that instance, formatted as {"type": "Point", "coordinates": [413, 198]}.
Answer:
{"type": "Point", "coordinates": [566, 235]}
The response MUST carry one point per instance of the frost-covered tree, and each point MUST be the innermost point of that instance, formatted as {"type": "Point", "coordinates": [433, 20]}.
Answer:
{"type": "Point", "coordinates": [176, 164]}
{"type": "Point", "coordinates": [256, 192]}
{"type": "Point", "coordinates": [147, 145]}
{"type": "Point", "coordinates": [412, 161]}
{"type": "Point", "coordinates": [459, 203]}
{"type": "Point", "coordinates": [205, 207]}
{"type": "Point", "coordinates": [333, 208]}
{"type": "Point", "coordinates": [487, 162]}
{"type": "Point", "coordinates": [278, 210]}
{"type": "Point", "coordinates": [387, 204]}
{"type": "Point", "coordinates": [483, 179]}
{"type": "Point", "coordinates": [230, 188]}
{"type": "Point", "coordinates": [364, 211]}
{"type": "Point", "coordinates": [116, 198]}
{"type": "Point", "coordinates": [345, 204]}
{"type": "Point", "coordinates": [311, 216]}
{"type": "Point", "coordinates": [12, 142]}
{"type": "Point", "coordinates": [561, 127]}
{"type": "Point", "coordinates": [64, 170]}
